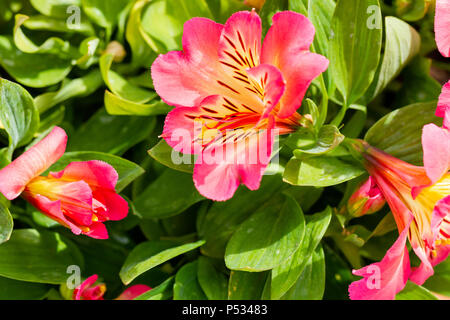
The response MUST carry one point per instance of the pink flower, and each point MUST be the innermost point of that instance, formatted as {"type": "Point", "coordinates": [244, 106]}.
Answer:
{"type": "Point", "coordinates": [366, 199]}
{"type": "Point", "coordinates": [442, 26]}
{"type": "Point", "coordinates": [81, 197]}
{"type": "Point", "coordinates": [233, 95]}
{"type": "Point", "coordinates": [419, 198]}
{"type": "Point", "coordinates": [89, 291]}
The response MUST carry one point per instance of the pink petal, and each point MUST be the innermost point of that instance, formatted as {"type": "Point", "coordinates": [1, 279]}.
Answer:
{"type": "Point", "coordinates": [32, 163]}
{"type": "Point", "coordinates": [384, 279]}
{"type": "Point", "coordinates": [436, 151]}
{"type": "Point", "coordinates": [78, 292]}
{"type": "Point", "coordinates": [242, 162]}
{"type": "Point", "coordinates": [185, 78]}
{"type": "Point", "coordinates": [97, 174]}
{"type": "Point", "coordinates": [102, 179]}
{"type": "Point", "coordinates": [271, 82]}
{"type": "Point", "coordinates": [52, 209]}
{"type": "Point", "coordinates": [97, 230]}
{"type": "Point", "coordinates": [441, 26]}
{"type": "Point", "coordinates": [425, 270]}
{"type": "Point", "coordinates": [133, 292]}
{"type": "Point", "coordinates": [286, 46]}
{"type": "Point", "coordinates": [443, 107]}
{"type": "Point", "coordinates": [240, 41]}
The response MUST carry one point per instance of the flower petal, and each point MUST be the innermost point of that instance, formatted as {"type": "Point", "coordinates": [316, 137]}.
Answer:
{"type": "Point", "coordinates": [272, 84]}
{"type": "Point", "coordinates": [102, 179]}
{"type": "Point", "coordinates": [184, 78]}
{"type": "Point", "coordinates": [133, 292]}
{"type": "Point", "coordinates": [78, 292]}
{"type": "Point", "coordinates": [436, 151]}
{"type": "Point", "coordinates": [32, 163]}
{"type": "Point", "coordinates": [286, 46]}
{"type": "Point", "coordinates": [384, 279]}
{"type": "Point", "coordinates": [441, 26]}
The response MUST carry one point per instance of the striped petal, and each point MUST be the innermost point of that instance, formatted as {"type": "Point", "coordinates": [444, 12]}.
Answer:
{"type": "Point", "coordinates": [286, 46]}
{"type": "Point", "coordinates": [436, 151]}
{"type": "Point", "coordinates": [32, 163]}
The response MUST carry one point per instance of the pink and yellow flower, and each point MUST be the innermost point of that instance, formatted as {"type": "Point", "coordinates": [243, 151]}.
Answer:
{"type": "Point", "coordinates": [80, 197]}
{"type": "Point", "coordinates": [233, 94]}
{"type": "Point", "coordinates": [88, 290]}
{"type": "Point", "coordinates": [442, 26]}
{"type": "Point", "coordinates": [419, 198]}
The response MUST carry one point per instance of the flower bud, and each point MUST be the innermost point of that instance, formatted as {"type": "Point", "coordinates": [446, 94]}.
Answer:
{"type": "Point", "coordinates": [366, 199]}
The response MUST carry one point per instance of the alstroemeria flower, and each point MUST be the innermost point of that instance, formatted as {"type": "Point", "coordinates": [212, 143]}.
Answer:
{"type": "Point", "coordinates": [366, 199]}
{"type": "Point", "coordinates": [419, 198]}
{"type": "Point", "coordinates": [80, 197]}
{"type": "Point", "coordinates": [89, 291]}
{"type": "Point", "coordinates": [442, 26]}
{"type": "Point", "coordinates": [233, 95]}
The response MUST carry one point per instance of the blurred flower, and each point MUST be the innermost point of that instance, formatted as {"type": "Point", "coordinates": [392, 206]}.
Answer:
{"type": "Point", "coordinates": [80, 197]}
{"type": "Point", "coordinates": [419, 198]}
{"type": "Point", "coordinates": [442, 26]}
{"type": "Point", "coordinates": [257, 4]}
{"type": "Point", "coordinates": [366, 199]}
{"type": "Point", "coordinates": [232, 96]}
{"type": "Point", "coordinates": [89, 291]}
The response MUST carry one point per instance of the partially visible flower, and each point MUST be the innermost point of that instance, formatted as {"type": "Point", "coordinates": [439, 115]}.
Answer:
{"type": "Point", "coordinates": [233, 95]}
{"type": "Point", "coordinates": [80, 197]}
{"type": "Point", "coordinates": [257, 4]}
{"type": "Point", "coordinates": [419, 198]}
{"type": "Point", "coordinates": [366, 199]}
{"type": "Point", "coordinates": [88, 290]}
{"type": "Point", "coordinates": [442, 26]}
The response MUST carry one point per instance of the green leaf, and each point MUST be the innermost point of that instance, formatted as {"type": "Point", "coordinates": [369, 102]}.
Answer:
{"type": "Point", "coordinates": [6, 223]}
{"type": "Point", "coordinates": [223, 218]}
{"type": "Point", "coordinates": [246, 285]}
{"type": "Point", "coordinates": [163, 20]}
{"type": "Point", "coordinates": [18, 114]}
{"type": "Point", "coordinates": [32, 70]}
{"type": "Point", "coordinates": [269, 9]}
{"type": "Point", "coordinates": [320, 171]}
{"type": "Point", "coordinates": [267, 239]}
{"type": "Point", "coordinates": [186, 285]}
{"type": "Point", "coordinates": [402, 44]}
{"type": "Point", "coordinates": [116, 105]}
{"type": "Point", "coordinates": [170, 194]}
{"type": "Point", "coordinates": [41, 22]}
{"type": "Point", "coordinates": [287, 274]}
{"type": "Point", "coordinates": [20, 290]}
{"type": "Point", "coordinates": [148, 255]}
{"type": "Point", "coordinates": [111, 134]}
{"type": "Point", "coordinates": [55, 8]}
{"type": "Point", "coordinates": [80, 87]}
{"type": "Point", "coordinates": [356, 35]}
{"type": "Point", "coordinates": [38, 256]}
{"type": "Point", "coordinates": [328, 139]}
{"type": "Point", "coordinates": [413, 291]}
{"type": "Point", "coordinates": [143, 49]}
{"type": "Point", "coordinates": [411, 10]}
{"type": "Point", "coordinates": [399, 133]}
{"type": "Point", "coordinates": [311, 283]}
{"type": "Point", "coordinates": [164, 154]}
{"type": "Point", "coordinates": [127, 170]}
{"type": "Point", "coordinates": [213, 282]}
{"type": "Point", "coordinates": [104, 13]}
{"type": "Point", "coordinates": [162, 292]}
{"type": "Point", "coordinates": [440, 281]}
{"type": "Point", "coordinates": [52, 45]}
{"type": "Point", "coordinates": [120, 86]}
